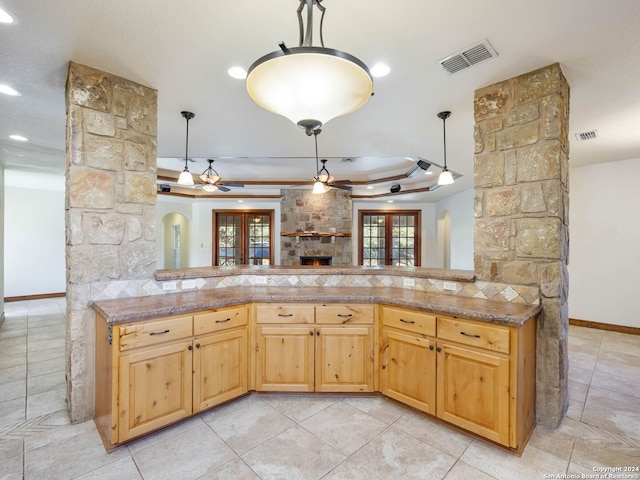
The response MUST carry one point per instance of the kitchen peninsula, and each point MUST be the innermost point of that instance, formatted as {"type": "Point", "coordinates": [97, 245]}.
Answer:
{"type": "Point", "coordinates": [467, 361]}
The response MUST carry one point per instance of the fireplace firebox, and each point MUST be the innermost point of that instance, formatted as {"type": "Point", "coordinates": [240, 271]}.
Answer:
{"type": "Point", "coordinates": [316, 260]}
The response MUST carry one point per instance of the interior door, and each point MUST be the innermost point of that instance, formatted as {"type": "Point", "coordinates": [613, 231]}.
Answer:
{"type": "Point", "coordinates": [243, 237]}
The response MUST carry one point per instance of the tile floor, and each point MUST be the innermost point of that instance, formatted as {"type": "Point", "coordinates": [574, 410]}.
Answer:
{"type": "Point", "coordinates": [306, 437]}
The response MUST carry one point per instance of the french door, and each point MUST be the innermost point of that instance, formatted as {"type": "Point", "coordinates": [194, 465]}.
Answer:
{"type": "Point", "coordinates": [389, 238]}
{"type": "Point", "coordinates": [242, 237]}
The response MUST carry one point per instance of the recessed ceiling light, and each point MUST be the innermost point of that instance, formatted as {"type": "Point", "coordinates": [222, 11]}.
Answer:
{"type": "Point", "coordinates": [240, 201]}
{"type": "Point", "coordinates": [19, 138]}
{"type": "Point", "coordinates": [7, 90]}
{"type": "Point", "coordinates": [428, 173]}
{"type": "Point", "coordinates": [380, 70]}
{"type": "Point", "coordinates": [389, 201]}
{"type": "Point", "coordinates": [5, 17]}
{"type": "Point", "coordinates": [369, 187]}
{"type": "Point", "coordinates": [237, 72]}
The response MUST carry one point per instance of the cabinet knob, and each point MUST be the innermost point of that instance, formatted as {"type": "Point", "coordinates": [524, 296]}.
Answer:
{"type": "Point", "coordinates": [311, 333]}
{"type": "Point", "coordinates": [318, 333]}
{"type": "Point", "coordinates": [438, 349]}
{"type": "Point", "coordinates": [197, 345]}
{"type": "Point", "coordinates": [431, 347]}
{"type": "Point", "coordinates": [190, 347]}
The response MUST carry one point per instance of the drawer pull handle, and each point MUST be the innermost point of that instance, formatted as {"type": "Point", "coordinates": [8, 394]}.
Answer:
{"type": "Point", "coordinates": [469, 335]}
{"type": "Point", "coordinates": [159, 333]}
{"type": "Point", "coordinates": [285, 314]}
{"type": "Point", "coordinates": [345, 315]}
{"type": "Point", "coordinates": [411, 322]}
{"type": "Point", "coordinates": [223, 321]}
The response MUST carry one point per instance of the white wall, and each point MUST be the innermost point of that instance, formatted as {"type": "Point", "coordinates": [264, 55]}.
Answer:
{"type": "Point", "coordinates": [2, 202]}
{"type": "Point", "coordinates": [427, 222]}
{"type": "Point", "coordinates": [604, 252]}
{"type": "Point", "coordinates": [34, 234]}
{"type": "Point", "coordinates": [460, 207]}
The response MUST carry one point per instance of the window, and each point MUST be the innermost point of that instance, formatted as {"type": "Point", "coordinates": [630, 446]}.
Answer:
{"type": "Point", "coordinates": [243, 237]}
{"type": "Point", "coordinates": [389, 238]}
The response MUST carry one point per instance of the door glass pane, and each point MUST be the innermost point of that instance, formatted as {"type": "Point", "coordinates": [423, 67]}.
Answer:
{"type": "Point", "coordinates": [402, 242]}
{"type": "Point", "coordinates": [229, 237]}
{"type": "Point", "coordinates": [373, 240]}
{"type": "Point", "coordinates": [259, 239]}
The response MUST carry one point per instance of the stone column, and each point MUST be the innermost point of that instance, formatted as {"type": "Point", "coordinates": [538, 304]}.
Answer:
{"type": "Point", "coordinates": [110, 206]}
{"type": "Point", "coordinates": [521, 208]}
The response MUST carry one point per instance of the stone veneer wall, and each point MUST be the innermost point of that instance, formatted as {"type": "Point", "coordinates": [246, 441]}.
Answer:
{"type": "Point", "coordinates": [110, 207]}
{"type": "Point", "coordinates": [521, 207]}
{"type": "Point", "coordinates": [304, 211]}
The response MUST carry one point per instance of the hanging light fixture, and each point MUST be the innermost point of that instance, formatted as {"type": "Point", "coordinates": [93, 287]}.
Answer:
{"type": "Point", "coordinates": [445, 178]}
{"type": "Point", "coordinates": [185, 177]}
{"type": "Point", "coordinates": [323, 177]}
{"type": "Point", "coordinates": [309, 85]}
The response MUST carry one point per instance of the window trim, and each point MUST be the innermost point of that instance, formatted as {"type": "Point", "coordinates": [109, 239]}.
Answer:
{"type": "Point", "coordinates": [388, 230]}
{"type": "Point", "coordinates": [244, 226]}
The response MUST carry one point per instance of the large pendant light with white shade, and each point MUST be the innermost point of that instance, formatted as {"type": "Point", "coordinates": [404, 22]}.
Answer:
{"type": "Point", "coordinates": [185, 177]}
{"type": "Point", "coordinates": [309, 85]}
{"type": "Point", "coordinates": [445, 178]}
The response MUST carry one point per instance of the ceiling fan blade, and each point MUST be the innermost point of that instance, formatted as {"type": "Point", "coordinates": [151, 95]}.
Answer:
{"type": "Point", "coordinates": [342, 187]}
{"type": "Point", "coordinates": [222, 188]}
{"type": "Point", "coordinates": [232, 184]}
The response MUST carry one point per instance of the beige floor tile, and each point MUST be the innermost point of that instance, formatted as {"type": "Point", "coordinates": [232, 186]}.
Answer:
{"type": "Point", "coordinates": [188, 455]}
{"type": "Point", "coordinates": [35, 345]}
{"type": "Point", "coordinates": [299, 407]}
{"type": "Point", "coordinates": [626, 383]}
{"type": "Point", "coordinates": [46, 333]}
{"type": "Point", "coordinates": [69, 458]}
{"type": "Point", "coordinates": [614, 412]}
{"type": "Point", "coordinates": [11, 468]}
{"type": "Point", "coordinates": [434, 433]}
{"type": "Point", "coordinates": [294, 454]}
{"type": "Point", "coordinates": [349, 470]}
{"type": "Point", "coordinates": [580, 375]}
{"type": "Point", "coordinates": [58, 435]}
{"type": "Point", "coordinates": [123, 469]}
{"type": "Point", "coordinates": [503, 465]}
{"type": "Point", "coordinates": [608, 451]}
{"type": "Point", "coordinates": [249, 426]}
{"type": "Point", "coordinates": [236, 469]}
{"type": "Point", "coordinates": [10, 447]}
{"type": "Point", "coordinates": [577, 398]}
{"type": "Point", "coordinates": [7, 332]}
{"type": "Point", "coordinates": [47, 354]}
{"type": "Point", "coordinates": [231, 406]}
{"type": "Point", "coordinates": [462, 471]}
{"type": "Point", "coordinates": [583, 360]}
{"type": "Point", "coordinates": [12, 411]}
{"type": "Point", "coordinates": [11, 374]}
{"type": "Point", "coordinates": [614, 341]}
{"type": "Point", "coordinates": [560, 441]}
{"type": "Point", "coordinates": [46, 402]}
{"type": "Point", "coordinates": [12, 390]}
{"type": "Point", "coordinates": [48, 381]}
{"type": "Point", "coordinates": [164, 434]}
{"type": "Point", "coordinates": [8, 361]}
{"type": "Point", "coordinates": [11, 341]}
{"type": "Point", "coordinates": [46, 366]}
{"type": "Point", "coordinates": [395, 454]}
{"type": "Point", "coordinates": [344, 427]}
{"type": "Point", "coordinates": [379, 407]}
{"type": "Point", "coordinates": [13, 348]}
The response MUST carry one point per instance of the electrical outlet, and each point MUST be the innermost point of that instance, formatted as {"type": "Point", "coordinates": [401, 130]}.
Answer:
{"type": "Point", "coordinates": [408, 282]}
{"type": "Point", "coordinates": [261, 280]}
{"type": "Point", "coordinates": [449, 286]}
{"type": "Point", "coordinates": [169, 285]}
{"type": "Point", "coordinates": [188, 284]}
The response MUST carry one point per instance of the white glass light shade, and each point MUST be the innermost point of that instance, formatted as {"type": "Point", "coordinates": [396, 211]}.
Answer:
{"type": "Point", "coordinates": [209, 178]}
{"type": "Point", "coordinates": [185, 178]}
{"type": "Point", "coordinates": [309, 83]}
{"type": "Point", "coordinates": [209, 188]}
{"type": "Point", "coordinates": [318, 187]}
{"type": "Point", "coordinates": [445, 177]}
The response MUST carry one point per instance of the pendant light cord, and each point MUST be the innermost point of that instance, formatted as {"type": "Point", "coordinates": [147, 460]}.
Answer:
{"type": "Point", "coordinates": [444, 138]}
{"type": "Point", "coordinates": [186, 148]}
{"type": "Point", "coordinates": [315, 138]}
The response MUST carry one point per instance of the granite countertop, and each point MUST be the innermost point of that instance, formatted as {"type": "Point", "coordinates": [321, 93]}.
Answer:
{"type": "Point", "coordinates": [417, 272]}
{"type": "Point", "coordinates": [145, 308]}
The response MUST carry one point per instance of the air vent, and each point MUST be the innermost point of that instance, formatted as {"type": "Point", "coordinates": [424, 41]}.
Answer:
{"type": "Point", "coordinates": [472, 55]}
{"type": "Point", "coordinates": [590, 135]}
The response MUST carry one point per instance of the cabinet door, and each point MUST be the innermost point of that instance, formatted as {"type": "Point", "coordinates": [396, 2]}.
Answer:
{"type": "Point", "coordinates": [344, 359]}
{"type": "Point", "coordinates": [155, 388]}
{"type": "Point", "coordinates": [473, 391]}
{"type": "Point", "coordinates": [219, 368]}
{"type": "Point", "coordinates": [284, 360]}
{"type": "Point", "coordinates": [408, 369]}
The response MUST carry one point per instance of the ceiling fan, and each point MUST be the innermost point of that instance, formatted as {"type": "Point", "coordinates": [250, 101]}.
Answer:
{"type": "Point", "coordinates": [211, 180]}
{"type": "Point", "coordinates": [324, 181]}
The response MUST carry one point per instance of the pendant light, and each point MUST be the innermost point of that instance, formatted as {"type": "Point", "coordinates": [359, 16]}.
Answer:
{"type": "Point", "coordinates": [309, 85]}
{"type": "Point", "coordinates": [322, 176]}
{"type": "Point", "coordinates": [445, 177]}
{"type": "Point", "coordinates": [185, 177]}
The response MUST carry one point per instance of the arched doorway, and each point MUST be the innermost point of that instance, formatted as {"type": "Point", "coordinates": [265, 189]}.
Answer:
{"type": "Point", "coordinates": [175, 240]}
{"type": "Point", "coordinates": [444, 240]}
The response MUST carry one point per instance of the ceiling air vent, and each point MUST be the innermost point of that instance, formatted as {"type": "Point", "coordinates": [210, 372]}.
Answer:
{"type": "Point", "coordinates": [472, 55]}
{"type": "Point", "coordinates": [590, 135]}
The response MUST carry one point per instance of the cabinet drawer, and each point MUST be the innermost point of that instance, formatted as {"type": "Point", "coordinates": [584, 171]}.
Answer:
{"type": "Point", "coordinates": [410, 320]}
{"type": "Point", "coordinates": [345, 314]}
{"type": "Point", "coordinates": [490, 336]}
{"type": "Point", "coordinates": [217, 320]}
{"type": "Point", "coordinates": [158, 331]}
{"type": "Point", "coordinates": [287, 313]}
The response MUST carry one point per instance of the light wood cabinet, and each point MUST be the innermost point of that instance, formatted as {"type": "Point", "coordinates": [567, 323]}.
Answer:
{"type": "Point", "coordinates": [150, 374]}
{"type": "Point", "coordinates": [476, 375]}
{"type": "Point", "coordinates": [332, 350]}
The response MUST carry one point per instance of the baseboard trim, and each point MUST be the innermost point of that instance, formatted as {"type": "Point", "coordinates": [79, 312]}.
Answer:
{"type": "Point", "coordinates": [34, 297]}
{"type": "Point", "coordinates": [604, 326]}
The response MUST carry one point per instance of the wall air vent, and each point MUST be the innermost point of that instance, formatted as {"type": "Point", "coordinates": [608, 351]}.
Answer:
{"type": "Point", "coordinates": [590, 135]}
{"type": "Point", "coordinates": [472, 55]}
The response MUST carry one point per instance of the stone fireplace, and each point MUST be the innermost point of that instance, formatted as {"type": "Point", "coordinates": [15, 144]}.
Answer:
{"type": "Point", "coordinates": [308, 222]}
